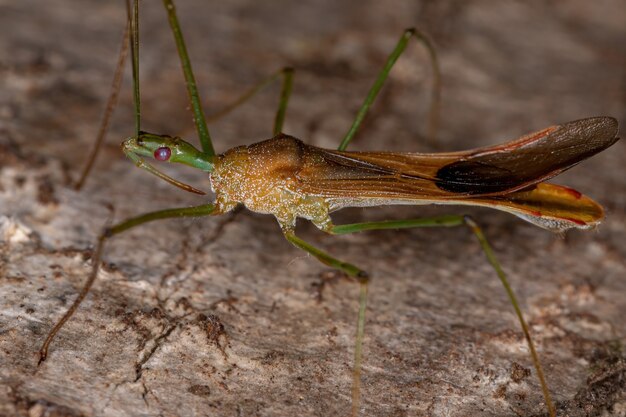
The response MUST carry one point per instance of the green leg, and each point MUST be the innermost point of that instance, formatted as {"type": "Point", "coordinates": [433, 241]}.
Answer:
{"type": "Point", "coordinates": [325, 258]}
{"type": "Point", "coordinates": [109, 232]}
{"type": "Point", "coordinates": [382, 77]}
{"type": "Point", "coordinates": [362, 277]}
{"type": "Point", "coordinates": [192, 89]}
{"type": "Point", "coordinates": [287, 75]}
{"type": "Point", "coordinates": [451, 221]}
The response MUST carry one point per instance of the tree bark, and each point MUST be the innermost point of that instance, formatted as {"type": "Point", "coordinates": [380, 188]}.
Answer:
{"type": "Point", "coordinates": [220, 315]}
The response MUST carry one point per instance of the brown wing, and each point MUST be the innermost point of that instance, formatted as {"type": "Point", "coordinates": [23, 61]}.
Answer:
{"type": "Point", "coordinates": [486, 171]}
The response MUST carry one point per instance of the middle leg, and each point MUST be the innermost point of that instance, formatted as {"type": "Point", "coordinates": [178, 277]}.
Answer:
{"type": "Point", "coordinates": [453, 221]}
{"type": "Point", "coordinates": [363, 279]}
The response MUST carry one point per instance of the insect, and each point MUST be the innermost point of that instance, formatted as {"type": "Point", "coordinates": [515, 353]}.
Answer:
{"type": "Point", "coordinates": [296, 180]}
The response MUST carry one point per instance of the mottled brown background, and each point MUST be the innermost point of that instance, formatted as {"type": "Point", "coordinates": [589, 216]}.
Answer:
{"type": "Point", "coordinates": [441, 336]}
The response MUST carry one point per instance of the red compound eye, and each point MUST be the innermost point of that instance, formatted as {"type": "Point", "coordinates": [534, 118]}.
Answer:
{"type": "Point", "coordinates": [162, 154]}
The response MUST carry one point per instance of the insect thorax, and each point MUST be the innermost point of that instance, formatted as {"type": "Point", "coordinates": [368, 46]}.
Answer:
{"type": "Point", "coordinates": [263, 177]}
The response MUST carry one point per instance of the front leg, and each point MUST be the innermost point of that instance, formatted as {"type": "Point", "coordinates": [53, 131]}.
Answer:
{"type": "Point", "coordinates": [109, 232]}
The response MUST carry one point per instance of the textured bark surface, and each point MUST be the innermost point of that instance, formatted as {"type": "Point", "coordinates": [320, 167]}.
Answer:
{"type": "Point", "coordinates": [441, 337]}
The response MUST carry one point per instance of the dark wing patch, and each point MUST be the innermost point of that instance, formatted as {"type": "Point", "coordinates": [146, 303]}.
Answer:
{"type": "Point", "coordinates": [488, 171]}
{"type": "Point", "coordinates": [528, 160]}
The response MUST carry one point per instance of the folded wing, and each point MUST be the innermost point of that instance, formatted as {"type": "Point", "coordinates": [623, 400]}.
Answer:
{"type": "Point", "coordinates": [489, 171]}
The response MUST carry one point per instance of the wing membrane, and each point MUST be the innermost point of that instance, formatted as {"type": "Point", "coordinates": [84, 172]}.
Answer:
{"type": "Point", "coordinates": [488, 171]}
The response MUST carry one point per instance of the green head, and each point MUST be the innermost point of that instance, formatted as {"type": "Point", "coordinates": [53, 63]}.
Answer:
{"type": "Point", "coordinates": [166, 149]}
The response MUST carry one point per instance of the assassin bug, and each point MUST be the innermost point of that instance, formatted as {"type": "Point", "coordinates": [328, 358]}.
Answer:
{"type": "Point", "coordinates": [285, 177]}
